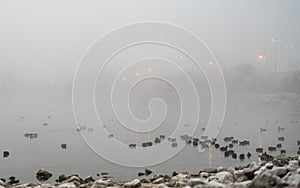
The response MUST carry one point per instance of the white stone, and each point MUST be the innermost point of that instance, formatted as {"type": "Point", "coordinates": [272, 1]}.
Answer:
{"type": "Point", "coordinates": [133, 183]}
{"type": "Point", "coordinates": [102, 183]}
{"type": "Point", "coordinates": [159, 180]}
{"type": "Point", "coordinates": [224, 177]}
{"type": "Point", "coordinates": [67, 185]}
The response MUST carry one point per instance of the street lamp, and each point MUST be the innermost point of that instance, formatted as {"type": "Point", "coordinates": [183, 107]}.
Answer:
{"type": "Point", "coordinates": [290, 47]}
{"type": "Point", "coordinates": [275, 42]}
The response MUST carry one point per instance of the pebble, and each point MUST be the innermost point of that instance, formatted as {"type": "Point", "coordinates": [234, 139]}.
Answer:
{"type": "Point", "coordinates": [102, 183]}
{"type": "Point", "coordinates": [132, 184]}
{"type": "Point", "coordinates": [224, 177]}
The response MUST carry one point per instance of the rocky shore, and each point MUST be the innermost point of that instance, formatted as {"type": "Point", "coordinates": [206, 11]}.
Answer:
{"type": "Point", "coordinates": [272, 171]}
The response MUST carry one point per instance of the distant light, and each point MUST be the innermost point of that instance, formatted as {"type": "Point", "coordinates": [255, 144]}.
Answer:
{"type": "Point", "coordinates": [124, 78]}
{"type": "Point", "coordinates": [149, 70]}
{"type": "Point", "coordinates": [211, 62]}
{"type": "Point", "coordinates": [181, 57]}
{"type": "Point", "coordinates": [260, 56]}
{"type": "Point", "coordinates": [137, 74]}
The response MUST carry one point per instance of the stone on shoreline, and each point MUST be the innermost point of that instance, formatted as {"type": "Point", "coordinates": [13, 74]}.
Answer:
{"type": "Point", "coordinates": [43, 175]}
{"type": "Point", "coordinates": [265, 180]}
{"type": "Point", "coordinates": [133, 184]}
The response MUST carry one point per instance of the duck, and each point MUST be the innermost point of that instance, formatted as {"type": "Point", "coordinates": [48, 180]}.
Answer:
{"type": "Point", "coordinates": [242, 156]}
{"type": "Point", "coordinates": [5, 154]}
{"type": "Point", "coordinates": [263, 130]}
{"type": "Point", "coordinates": [174, 145]}
{"type": "Point", "coordinates": [132, 145]}
{"type": "Point", "coordinates": [157, 140]}
{"type": "Point", "coordinates": [224, 148]}
{"type": "Point", "coordinates": [259, 150]}
{"type": "Point", "coordinates": [244, 143]}
{"type": "Point", "coordinates": [249, 154]}
{"type": "Point", "coordinates": [234, 155]}
{"type": "Point", "coordinates": [228, 138]}
{"type": "Point", "coordinates": [271, 148]}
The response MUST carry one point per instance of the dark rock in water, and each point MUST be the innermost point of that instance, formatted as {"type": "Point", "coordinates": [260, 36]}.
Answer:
{"type": "Point", "coordinates": [148, 171]}
{"type": "Point", "coordinates": [281, 160]}
{"type": "Point", "coordinates": [230, 145]}
{"type": "Point", "coordinates": [43, 175]}
{"type": "Point", "coordinates": [235, 141]}
{"type": "Point", "coordinates": [280, 138]}
{"type": "Point", "coordinates": [63, 146]}
{"type": "Point", "coordinates": [5, 154]}
{"type": "Point", "coordinates": [265, 180]}
{"type": "Point", "coordinates": [279, 145]}
{"type": "Point", "coordinates": [195, 143]}
{"type": "Point", "coordinates": [141, 174]}
{"type": "Point", "coordinates": [217, 146]}
{"type": "Point", "coordinates": [266, 157]}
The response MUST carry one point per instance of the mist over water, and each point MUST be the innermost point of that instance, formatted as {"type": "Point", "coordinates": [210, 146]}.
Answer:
{"type": "Point", "coordinates": [47, 88]}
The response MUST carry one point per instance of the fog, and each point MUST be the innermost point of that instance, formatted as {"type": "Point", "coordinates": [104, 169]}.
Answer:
{"type": "Point", "coordinates": [46, 86]}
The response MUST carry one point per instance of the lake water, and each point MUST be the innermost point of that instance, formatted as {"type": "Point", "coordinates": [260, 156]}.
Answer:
{"type": "Point", "coordinates": [28, 155]}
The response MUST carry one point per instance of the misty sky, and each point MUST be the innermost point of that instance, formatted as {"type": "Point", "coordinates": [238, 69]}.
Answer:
{"type": "Point", "coordinates": [44, 40]}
